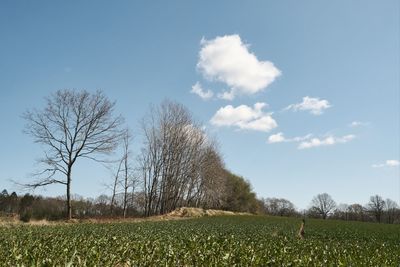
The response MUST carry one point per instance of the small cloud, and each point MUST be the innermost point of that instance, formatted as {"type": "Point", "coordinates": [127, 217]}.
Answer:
{"type": "Point", "coordinates": [314, 105]}
{"type": "Point", "coordinates": [276, 138]}
{"type": "Point", "coordinates": [245, 118]}
{"type": "Point", "coordinates": [226, 95]}
{"type": "Point", "coordinates": [328, 141]}
{"type": "Point", "coordinates": [227, 59]}
{"type": "Point", "coordinates": [388, 163]}
{"type": "Point", "coordinates": [358, 124]}
{"type": "Point", "coordinates": [279, 138]}
{"type": "Point", "coordinates": [204, 94]}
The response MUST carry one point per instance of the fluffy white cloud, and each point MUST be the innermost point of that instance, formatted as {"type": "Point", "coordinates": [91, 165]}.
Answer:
{"type": "Point", "coordinates": [328, 141]}
{"type": "Point", "coordinates": [279, 138]}
{"type": "Point", "coordinates": [314, 105]}
{"type": "Point", "coordinates": [276, 138]}
{"type": "Point", "coordinates": [358, 123]}
{"type": "Point", "coordinates": [388, 163]}
{"type": "Point", "coordinates": [228, 60]}
{"type": "Point", "coordinates": [198, 90]}
{"type": "Point", "coordinates": [244, 117]}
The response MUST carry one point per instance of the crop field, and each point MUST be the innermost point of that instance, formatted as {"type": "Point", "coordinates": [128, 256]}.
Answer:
{"type": "Point", "coordinates": [207, 241]}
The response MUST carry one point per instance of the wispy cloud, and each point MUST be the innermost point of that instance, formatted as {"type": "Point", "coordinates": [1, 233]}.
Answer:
{"type": "Point", "coordinates": [327, 141]}
{"type": "Point", "coordinates": [314, 105]}
{"type": "Point", "coordinates": [280, 138]}
{"type": "Point", "coordinates": [244, 117]}
{"type": "Point", "coordinates": [227, 59]}
{"type": "Point", "coordinates": [358, 124]}
{"type": "Point", "coordinates": [202, 93]}
{"type": "Point", "coordinates": [387, 163]}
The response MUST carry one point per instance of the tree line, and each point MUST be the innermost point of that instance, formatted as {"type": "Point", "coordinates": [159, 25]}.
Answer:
{"type": "Point", "coordinates": [324, 207]}
{"type": "Point", "coordinates": [178, 164]}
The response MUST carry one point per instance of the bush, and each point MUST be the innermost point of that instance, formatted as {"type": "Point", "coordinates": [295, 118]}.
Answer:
{"type": "Point", "coordinates": [26, 216]}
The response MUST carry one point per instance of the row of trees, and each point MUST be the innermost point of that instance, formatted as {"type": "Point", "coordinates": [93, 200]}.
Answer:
{"type": "Point", "coordinates": [237, 196]}
{"type": "Point", "coordinates": [323, 206]}
{"type": "Point", "coordinates": [239, 199]}
{"type": "Point", "coordinates": [178, 165]}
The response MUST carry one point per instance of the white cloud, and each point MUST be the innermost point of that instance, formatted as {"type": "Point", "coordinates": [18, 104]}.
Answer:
{"type": "Point", "coordinates": [276, 138]}
{"type": "Point", "coordinates": [228, 60]}
{"type": "Point", "coordinates": [328, 141]}
{"type": "Point", "coordinates": [392, 162]}
{"type": "Point", "coordinates": [244, 117]}
{"type": "Point", "coordinates": [388, 163]}
{"type": "Point", "coordinates": [358, 123]}
{"type": "Point", "coordinates": [279, 138]}
{"type": "Point", "coordinates": [314, 105]}
{"type": "Point", "coordinates": [198, 90]}
{"type": "Point", "coordinates": [227, 95]}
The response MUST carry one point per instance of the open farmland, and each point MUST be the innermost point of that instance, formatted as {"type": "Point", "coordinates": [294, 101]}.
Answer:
{"type": "Point", "coordinates": [207, 241]}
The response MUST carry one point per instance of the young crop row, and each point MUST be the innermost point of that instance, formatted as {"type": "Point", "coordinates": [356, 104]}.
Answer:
{"type": "Point", "coordinates": [212, 241]}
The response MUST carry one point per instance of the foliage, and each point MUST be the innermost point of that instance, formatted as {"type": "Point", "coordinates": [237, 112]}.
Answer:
{"type": "Point", "coordinates": [239, 195]}
{"type": "Point", "coordinates": [207, 241]}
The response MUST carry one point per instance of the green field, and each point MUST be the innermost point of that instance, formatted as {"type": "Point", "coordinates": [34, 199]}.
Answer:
{"type": "Point", "coordinates": [207, 241]}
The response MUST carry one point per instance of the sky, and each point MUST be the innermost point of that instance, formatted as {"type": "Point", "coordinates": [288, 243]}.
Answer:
{"type": "Point", "coordinates": [302, 96]}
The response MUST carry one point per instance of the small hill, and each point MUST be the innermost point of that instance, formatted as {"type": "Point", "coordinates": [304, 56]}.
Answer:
{"type": "Point", "coordinates": [199, 212]}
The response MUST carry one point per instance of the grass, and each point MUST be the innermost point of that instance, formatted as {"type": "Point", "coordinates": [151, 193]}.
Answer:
{"type": "Point", "coordinates": [207, 241]}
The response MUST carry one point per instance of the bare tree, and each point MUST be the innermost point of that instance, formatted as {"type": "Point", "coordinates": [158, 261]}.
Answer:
{"type": "Point", "coordinates": [390, 209]}
{"type": "Point", "coordinates": [279, 206]}
{"type": "Point", "coordinates": [323, 204]}
{"type": "Point", "coordinates": [173, 161]}
{"type": "Point", "coordinates": [376, 205]}
{"type": "Point", "coordinates": [116, 181]}
{"type": "Point", "coordinates": [356, 212]}
{"type": "Point", "coordinates": [73, 124]}
{"type": "Point", "coordinates": [126, 153]}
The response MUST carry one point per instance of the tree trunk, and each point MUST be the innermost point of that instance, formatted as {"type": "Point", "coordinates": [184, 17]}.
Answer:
{"type": "Point", "coordinates": [126, 184]}
{"type": "Point", "coordinates": [69, 206]}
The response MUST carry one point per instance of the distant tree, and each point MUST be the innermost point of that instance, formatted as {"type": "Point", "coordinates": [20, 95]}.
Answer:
{"type": "Point", "coordinates": [101, 205]}
{"type": "Point", "coordinates": [323, 204]}
{"type": "Point", "coordinates": [25, 207]}
{"type": "Point", "coordinates": [279, 207]}
{"type": "Point", "coordinates": [356, 212]}
{"type": "Point", "coordinates": [390, 209]}
{"type": "Point", "coordinates": [376, 205]}
{"type": "Point", "coordinates": [12, 202]}
{"type": "Point", "coordinates": [127, 182]}
{"type": "Point", "coordinates": [341, 212]}
{"type": "Point", "coordinates": [4, 193]}
{"type": "Point", "coordinates": [3, 200]}
{"type": "Point", "coordinates": [116, 182]}
{"type": "Point", "coordinates": [73, 124]}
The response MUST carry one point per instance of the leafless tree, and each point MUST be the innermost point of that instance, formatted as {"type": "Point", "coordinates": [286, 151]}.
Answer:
{"type": "Point", "coordinates": [174, 159]}
{"type": "Point", "coordinates": [73, 124]}
{"type": "Point", "coordinates": [116, 181]}
{"type": "Point", "coordinates": [126, 155]}
{"type": "Point", "coordinates": [279, 206]}
{"type": "Point", "coordinates": [356, 212]}
{"type": "Point", "coordinates": [376, 205]}
{"type": "Point", "coordinates": [390, 209]}
{"type": "Point", "coordinates": [323, 204]}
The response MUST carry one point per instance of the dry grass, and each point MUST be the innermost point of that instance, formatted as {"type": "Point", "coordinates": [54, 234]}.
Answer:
{"type": "Point", "coordinates": [178, 214]}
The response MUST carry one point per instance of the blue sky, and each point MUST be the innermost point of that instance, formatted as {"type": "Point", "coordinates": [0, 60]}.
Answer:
{"type": "Point", "coordinates": [313, 67]}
